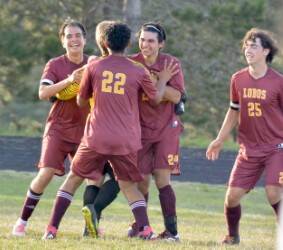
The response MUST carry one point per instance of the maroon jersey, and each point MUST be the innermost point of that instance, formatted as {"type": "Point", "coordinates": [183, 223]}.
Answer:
{"type": "Point", "coordinates": [157, 119]}
{"type": "Point", "coordinates": [115, 82]}
{"type": "Point", "coordinates": [260, 102]}
{"type": "Point", "coordinates": [65, 120]}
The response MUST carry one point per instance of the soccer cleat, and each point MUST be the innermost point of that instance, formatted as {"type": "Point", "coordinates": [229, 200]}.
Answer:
{"type": "Point", "coordinates": [147, 233]}
{"type": "Point", "coordinates": [231, 240]}
{"type": "Point", "coordinates": [133, 230]}
{"type": "Point", "coordinates": [167, 236]}
{"type": "Point", "coordinates": [19, 229]}
{"type": "Point", "coordinates": [50, 233]}
{"type": "Point", "coordinates": [91, 222]}
{"type": "Point", "coordinates": [100, 232]}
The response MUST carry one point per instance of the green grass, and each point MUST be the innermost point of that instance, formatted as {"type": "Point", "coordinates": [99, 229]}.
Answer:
{"type": "Point", "coordinates": [199, 208]}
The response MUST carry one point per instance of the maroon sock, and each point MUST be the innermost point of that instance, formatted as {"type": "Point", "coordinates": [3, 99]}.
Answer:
{"type": "Point", "coordinates": [30, 203]}
{"type": "Point", "coordinates": [140, 214]}
{"type": "Point", "coordinates": [276, 207]}
{"type": "Point", "coordinates": [167, 201]}
{"type": "Point", "coordinates": [60, 206]}
{"type": "Point", "coordinates": [233, 216]}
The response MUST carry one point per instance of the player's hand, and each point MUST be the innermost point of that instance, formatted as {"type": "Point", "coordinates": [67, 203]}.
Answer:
{"type": "Point", "coordinates": [213, 150]}
{"type": "Point", "coordinates": [154, 77]}
{"type": "Point", "coordinates": [76, 76]}
{"type": "Point", "coordinates": [281, 178]}
{"type": "Point", "coordinates": [170, 69]}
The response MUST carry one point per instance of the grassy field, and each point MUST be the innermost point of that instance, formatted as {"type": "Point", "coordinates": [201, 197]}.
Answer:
{"type": "Point", "coordinates": [200, 217]}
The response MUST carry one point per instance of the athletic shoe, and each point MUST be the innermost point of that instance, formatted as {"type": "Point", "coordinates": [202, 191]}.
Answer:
{"type": "Point", "coordinates": [167, 236]}
{"type": "Point", "coordinates": [147, 233]}
{"type": "Point", "coordinates": [100, 232]}
{"type": "Point", "coordinates": [231, 240]}
{"type": "Point", "coordinates": [50, 233]}
{"type": "Point", "coordinates": [91, 222]}
{"type": "Point", "coordinates": [133, 230]}
{"type": "Point", "coordinates": [19, 229]}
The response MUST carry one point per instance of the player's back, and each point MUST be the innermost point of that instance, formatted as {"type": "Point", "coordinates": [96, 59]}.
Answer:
{"type": "Point", "coordinates": [114, 122]}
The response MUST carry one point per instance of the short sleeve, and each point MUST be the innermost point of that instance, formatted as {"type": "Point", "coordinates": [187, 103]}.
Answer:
{"type": "Point", "coordinates": [234, 95]}
{"type": "Point", "coordinates": [49, 75]}
{"type": "Point", "coordinates": [86, 89]}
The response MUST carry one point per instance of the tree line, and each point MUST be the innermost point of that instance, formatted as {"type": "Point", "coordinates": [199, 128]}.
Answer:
{"type": "Point", "coordinates": [204, 35]}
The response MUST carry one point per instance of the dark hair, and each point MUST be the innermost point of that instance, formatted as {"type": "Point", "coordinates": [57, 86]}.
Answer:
{"type": "Point", "coordinates": [117, 36]}
{"type": "Point", "coordinates": [266, 39]}
{"type": "Point", "coordinates": [72, 23]}
{"type": "Point", "coordinates": [155, 28]}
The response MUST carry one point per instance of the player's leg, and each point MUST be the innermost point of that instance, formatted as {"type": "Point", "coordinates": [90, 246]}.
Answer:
{"type": "Point", "coordinates": [273, 194]}
{"type": "Point", "coordinates": [108, 191]}
{"type": "Point", "coordinates": [145, 163]}
{"type": "Point", "coordinates": [232, 212]}
{"type": "Point", "coordinates": [125, 168]}
{"type": "Point", "coordinates": [91, 191]}
{"type": "Point", "coordinates": [84, 166]}
{"type": "Point", "coordinates": [143, 187]}
{"type": "Point", "coordinates": [167, 163]}
{"type": "Point", "coordinates": [273, 188]}
{"type": "Point", "coordinates": [167, 200]}
{"type": "Point", "coordinates": [244, 175]}
{"type": "Point", "coordinates": [138, 206]}
{"type": "Point", "coordinates": [62, 202]}
{"type": "Point", "coordinates": [53, 154]}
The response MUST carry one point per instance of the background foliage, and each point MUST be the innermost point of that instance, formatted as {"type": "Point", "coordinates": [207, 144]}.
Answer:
{"type": "Point", "coordinates": [205, 35]}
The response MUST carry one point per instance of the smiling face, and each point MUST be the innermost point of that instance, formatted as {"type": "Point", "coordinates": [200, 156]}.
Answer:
{"type": "Point", "coordinates": [73, 40]}
{"type": "Point", "coordinates": [148, 44]}
{"type": "Point", "coordinates": [254, 52]}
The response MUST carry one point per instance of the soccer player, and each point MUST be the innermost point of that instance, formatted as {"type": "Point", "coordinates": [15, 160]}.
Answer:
{"type": "Point", "coordinates": [99, 194]}
{"type": "Point", "coordinates": [65, 123]}
{"type": "Point", "coordinates": [113, 130]}
{"type": "Point", "coordinates": [161, 128]}
{"type": "Point", "coordinates": [256, 104]}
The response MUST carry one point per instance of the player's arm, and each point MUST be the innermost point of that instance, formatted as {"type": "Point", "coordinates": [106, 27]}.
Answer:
{"type": "Point", "coordinates": [230, 121]}
{"type": "Point", "coordinates": [85, 91]}
{"type": "Point", "coordinates": [170, 69]}
{"type": "Point", "coordinates": [81, 101]}
{"type": "Point", "coordinates": [48, 90]}
{"type": "Point", "coordinates": [172, 95]}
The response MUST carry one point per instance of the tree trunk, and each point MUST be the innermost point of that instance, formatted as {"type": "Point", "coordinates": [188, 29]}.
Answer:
{"type": "Point", "coordinates": [132, 14]}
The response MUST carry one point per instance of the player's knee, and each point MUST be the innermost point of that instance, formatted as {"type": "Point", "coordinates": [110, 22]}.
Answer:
{"type": "Point", "coordinates": [232, 199]}
{"type": "Point", "coordinates": [42, 179]}
{"type": "Point", "coordinates": [161, 182]}
{"type": "Point", "coordinates": [144, 186]}
{"type": "Point", "coordinates": [273, 194]}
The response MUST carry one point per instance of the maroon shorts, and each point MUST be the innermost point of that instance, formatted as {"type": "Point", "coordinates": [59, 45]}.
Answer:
{"type": "Point", "coordinates": [246, 172]}
{"type": "Point", "coordinates": [89, 164]}
{"type": "Point", "coordinates": [54, 152]}
{"type": "Point", "coordinates": [164, 154]}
